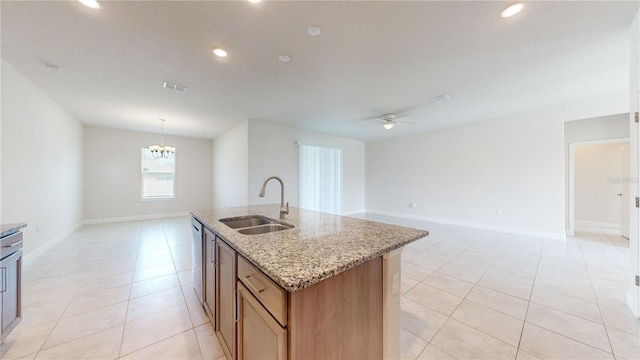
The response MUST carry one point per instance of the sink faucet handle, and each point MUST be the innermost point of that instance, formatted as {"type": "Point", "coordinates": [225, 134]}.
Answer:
{"type": "Point", "coordinates": [284, 211]}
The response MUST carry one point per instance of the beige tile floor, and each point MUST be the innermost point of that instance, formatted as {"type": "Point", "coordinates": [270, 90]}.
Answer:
{"type": "Point", "coordinates": [124, 291]}
{"type": "Point", "coordinates": [472, 294]}
{"type": "Point", "coordinates": [114, 291]}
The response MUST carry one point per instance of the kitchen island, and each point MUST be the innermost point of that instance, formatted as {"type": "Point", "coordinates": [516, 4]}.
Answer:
{"type": "Point", "coordinates": [329, 287]}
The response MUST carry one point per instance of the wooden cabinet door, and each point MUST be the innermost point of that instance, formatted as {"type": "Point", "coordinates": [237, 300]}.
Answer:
{"type": "Point", "coordinates": [226, 298]}
{"type": "Point", "coordinates": [260, 336]}
{"type": "Point", "coordinates": [210, 275]}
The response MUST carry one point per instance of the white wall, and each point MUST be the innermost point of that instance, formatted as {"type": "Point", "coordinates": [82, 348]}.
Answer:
{"type": "Point", "coordinates": [231, 167]}
{"type": "Point", "coordinates": [499, 175]}
{"type": "Point", "coordinates": [596, 202]}
{"type": "Point", "coordinates": [41, 163]}
{"type": "Point", "coordinates": [273, 151]}
{"type": "Point", "coordinates": [112, 175]}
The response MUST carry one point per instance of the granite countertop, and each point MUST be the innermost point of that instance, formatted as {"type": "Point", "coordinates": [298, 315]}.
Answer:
{"type": "Point", "coordinates": [320, 245]}
{"type": "Point", "coordinates": [8, 229]}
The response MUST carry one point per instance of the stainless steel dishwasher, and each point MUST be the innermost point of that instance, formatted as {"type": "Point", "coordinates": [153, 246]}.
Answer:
{"type": "Point", "coordinates": [10, 282]}
{"type": "Point", "coordinates": [197, 252]}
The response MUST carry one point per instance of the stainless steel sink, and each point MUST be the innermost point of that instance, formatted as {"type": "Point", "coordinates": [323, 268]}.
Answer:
{"type": "Point", "coordinates": [262, 229]}
{"type": "Point", "coordinates": [255, 224]}
{"type": "Point", "coordinates": [237, 223]}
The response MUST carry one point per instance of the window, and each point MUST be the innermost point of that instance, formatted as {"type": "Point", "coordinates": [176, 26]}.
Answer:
{"type": "Point", "coordinates": [158, 176]}
{"type": "Point", "coordinates": [320, 178]}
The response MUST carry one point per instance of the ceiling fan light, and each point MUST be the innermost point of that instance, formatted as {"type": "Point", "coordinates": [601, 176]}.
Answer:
{"type": "Point", "coordinates": [388, 126]}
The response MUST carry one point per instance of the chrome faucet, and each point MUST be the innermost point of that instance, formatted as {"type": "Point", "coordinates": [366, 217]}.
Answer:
{"type": "Point", "coordinates": [284, 209]}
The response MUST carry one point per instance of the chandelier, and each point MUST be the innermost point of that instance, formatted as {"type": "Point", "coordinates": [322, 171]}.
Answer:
{"type": "Point", "coordinates": [162, 151]}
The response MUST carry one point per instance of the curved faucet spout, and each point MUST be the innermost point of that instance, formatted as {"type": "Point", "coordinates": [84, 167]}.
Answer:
{"type": "Point", "coordinates": [284, 209]}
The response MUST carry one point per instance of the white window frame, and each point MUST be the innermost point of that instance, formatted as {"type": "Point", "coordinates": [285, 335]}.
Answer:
{"type": "Point", "coordinates": [142, 173]}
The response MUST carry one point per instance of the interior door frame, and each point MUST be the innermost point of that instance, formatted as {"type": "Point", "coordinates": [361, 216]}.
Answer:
{"type": "Point", "coordinates": [633, 295]}
{"type": "Point", "coordinates": [572, 195]}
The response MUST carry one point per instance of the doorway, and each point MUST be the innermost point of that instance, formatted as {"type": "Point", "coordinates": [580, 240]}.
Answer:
{"type": "Point", "coordinates": [599, 186]}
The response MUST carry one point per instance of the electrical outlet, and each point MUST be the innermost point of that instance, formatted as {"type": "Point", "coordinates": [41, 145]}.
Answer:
{"type": "Point", "coordinates": [413, 205]}
{"type": "Point", "coordinates": [498, 212]}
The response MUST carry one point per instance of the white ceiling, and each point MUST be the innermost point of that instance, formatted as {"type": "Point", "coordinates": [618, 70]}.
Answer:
{"type": "Point", "coordinates": [371, 58]}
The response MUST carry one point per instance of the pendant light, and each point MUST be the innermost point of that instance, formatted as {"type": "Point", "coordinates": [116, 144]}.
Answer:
{"type": "Point", "coordinates": [162, 151]}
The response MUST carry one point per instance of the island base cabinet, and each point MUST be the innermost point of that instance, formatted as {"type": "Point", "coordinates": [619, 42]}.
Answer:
{"type": "Point", "coordinates": [260, 336]}
{"type": "Point", "coordinates": [340, 317]}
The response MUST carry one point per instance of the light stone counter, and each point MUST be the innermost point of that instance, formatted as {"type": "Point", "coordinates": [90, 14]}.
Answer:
{"type": "Point", "coordinates": [320, 245]}
{"type": "Point", "coordinates": [8, 229]}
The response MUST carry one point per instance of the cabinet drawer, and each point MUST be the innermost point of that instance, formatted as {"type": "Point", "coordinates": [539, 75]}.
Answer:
{"type": "Point", "coordinates": [272, 296]}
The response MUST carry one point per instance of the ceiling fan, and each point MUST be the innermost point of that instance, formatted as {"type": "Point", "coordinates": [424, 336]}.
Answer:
{"type": "Point", "coordinates": [390, 120]}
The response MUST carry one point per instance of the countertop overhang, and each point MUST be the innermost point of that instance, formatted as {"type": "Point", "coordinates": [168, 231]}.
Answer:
{"type": "Point", "coordinates": [320, 245]}
{"type": "Point", "coordinates": [8, 229]}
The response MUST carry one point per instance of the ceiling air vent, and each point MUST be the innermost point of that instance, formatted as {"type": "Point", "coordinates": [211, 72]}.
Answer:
{"type": "Point", "coordinates": [440, 98]}
{"type": "Point", "coordinates": [175, 87]}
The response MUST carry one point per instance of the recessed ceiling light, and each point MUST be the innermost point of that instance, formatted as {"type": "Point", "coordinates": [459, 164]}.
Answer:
{"type": "Point", "coordinates": [94, 4]}
{"type": "Point", "coordinates": [314, 30]}
{"type": "Point", "coordinates": [512, 9]}
{"type": "Point", "coordinates": [219, 51]}
{"type": "Point", "coordinates": [284, 58]}
{"type": "Point", "coordinates": [255, 1]}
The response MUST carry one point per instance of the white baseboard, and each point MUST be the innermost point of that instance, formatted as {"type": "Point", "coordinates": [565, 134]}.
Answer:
{"type": "Point", "coordinates": [353, 212]}
{"type": "Point", "coordinates": [504, 229]}
{"type": "Point", "coordinates": [44, 248]}
{"type": "Point", "coordinates": [593, 226]}
{"type": "Point", "coordinates": [31, 256]}
{"type": "Point", "coordinates": [135, 218]}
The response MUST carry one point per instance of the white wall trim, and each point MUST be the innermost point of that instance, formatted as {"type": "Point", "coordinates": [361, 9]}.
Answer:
{"type": "Point", "coordinates": [135, 218]}
{"type": "Point", "coordinates": [504, 229]}
{"type": "Point", "coordinates": [44, 248]}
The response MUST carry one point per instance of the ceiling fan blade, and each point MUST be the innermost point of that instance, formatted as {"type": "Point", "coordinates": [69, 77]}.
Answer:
{"type": "Point", "coordinates": [405, 122]}
{"type": "Point", "coordinates": [373, 124]}
{"type": "Point", "coordinates": [377, 118]}
{"type": "Point", "coordinates": [403, 117]}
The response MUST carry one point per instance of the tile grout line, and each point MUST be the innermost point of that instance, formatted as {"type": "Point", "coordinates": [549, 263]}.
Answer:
{"type": "Point", "coordinates": [526, 314]}
{"type": "Point", "coordinates": [126, 314]}
{"type": "Point", "coordinates": [193, 327]}
{"type": "Point", "coordinates": [463, 299]}
{"type": "Point", "coordinates": [594, 292]}
{"type": "Point", "coordinates": [562, 335]}
{"type": "Point", "coordinates": [41, 348]}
